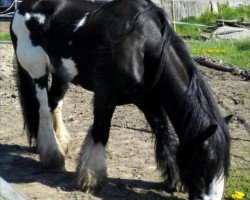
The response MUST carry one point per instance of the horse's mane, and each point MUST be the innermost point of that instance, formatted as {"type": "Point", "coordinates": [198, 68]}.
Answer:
{"type": "Point", "coordinates": [199, 110]}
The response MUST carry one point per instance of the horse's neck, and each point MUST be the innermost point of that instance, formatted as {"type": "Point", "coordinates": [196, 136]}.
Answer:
{"type": "Point", "coordinates": [175, 87]}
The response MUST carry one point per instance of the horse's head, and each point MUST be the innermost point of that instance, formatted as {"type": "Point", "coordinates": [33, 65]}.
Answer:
{"type": "Point", "coordinates": [201, 163]}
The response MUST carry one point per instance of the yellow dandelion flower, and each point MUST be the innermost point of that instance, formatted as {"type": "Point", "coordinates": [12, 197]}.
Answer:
{"type": "Point", "coordinates": [215, 51]}
{"type": "Point", "coordinates": [238, 195]}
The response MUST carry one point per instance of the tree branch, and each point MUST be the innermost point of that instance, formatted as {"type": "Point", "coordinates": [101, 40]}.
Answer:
{"type": "Point", "coordinates": [204, 61]}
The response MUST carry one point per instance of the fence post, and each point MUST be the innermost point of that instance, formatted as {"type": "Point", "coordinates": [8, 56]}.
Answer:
{"type": "Point", "coordinates": [16, 4]}
{"type": "Point", "coordinates": [214, 6]}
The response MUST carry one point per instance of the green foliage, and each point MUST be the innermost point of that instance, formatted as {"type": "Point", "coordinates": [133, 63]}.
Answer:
{"type": "Point", "coordinates": [5, 37]}
{"type": "Point", "coordinates": [231, 52]}
{"type": "Point", "coordinates": [209, 18]}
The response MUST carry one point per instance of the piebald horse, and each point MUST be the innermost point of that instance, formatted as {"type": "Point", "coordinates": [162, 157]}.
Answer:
{"type": "Point", "coordinates": [124, 51]}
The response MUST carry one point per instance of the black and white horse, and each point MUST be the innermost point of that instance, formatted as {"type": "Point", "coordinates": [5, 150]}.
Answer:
{"type": "Point", "coordinates": [125, 52]}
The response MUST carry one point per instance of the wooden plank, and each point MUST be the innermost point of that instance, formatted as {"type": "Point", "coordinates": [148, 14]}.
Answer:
{"type": "Point", "coordinates": [8, 192]}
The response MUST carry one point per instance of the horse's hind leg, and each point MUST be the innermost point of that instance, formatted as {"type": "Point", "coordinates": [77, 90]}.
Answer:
{"type": "Point", "coordinates": [91, 168]}
{"type": "Point", "coordinates": [57, 91]}
{"type": "Point", "coordinates": [165, 141]}
{"type": "Point", "coordinates": [34, 100]}
{"type": "Point", "coordinates": [33, 75]}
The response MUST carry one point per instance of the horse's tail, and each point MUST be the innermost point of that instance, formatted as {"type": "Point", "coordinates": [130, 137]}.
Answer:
{"type": "Point", "coordinates": [27, 95]}
{"type": "Point", "coordinates": [28, 101]}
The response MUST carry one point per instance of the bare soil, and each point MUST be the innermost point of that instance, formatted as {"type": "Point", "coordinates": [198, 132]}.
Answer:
{"type": "Point", "coordinates": [131, 166]}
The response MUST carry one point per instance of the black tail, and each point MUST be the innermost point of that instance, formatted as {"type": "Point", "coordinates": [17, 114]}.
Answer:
{"type": "Point", "coordinates": [28, 101]}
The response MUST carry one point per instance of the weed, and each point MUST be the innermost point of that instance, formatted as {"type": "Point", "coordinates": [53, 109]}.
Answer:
{"type": "Point", "coordinates": [5, 37]}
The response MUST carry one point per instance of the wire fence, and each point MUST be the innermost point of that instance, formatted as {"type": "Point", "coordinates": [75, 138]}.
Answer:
{"type": "Point", "coordinates": [8, 13]}
{"type": "Point", "coordinates": [178, 9]}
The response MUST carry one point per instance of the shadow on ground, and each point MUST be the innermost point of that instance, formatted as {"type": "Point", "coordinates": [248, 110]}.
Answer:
{"type": "Point", "coordinates": [18, 165]}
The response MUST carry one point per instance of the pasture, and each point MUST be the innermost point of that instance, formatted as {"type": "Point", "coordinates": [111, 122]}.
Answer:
{"type": "Point", "coordinates": [131, 167]}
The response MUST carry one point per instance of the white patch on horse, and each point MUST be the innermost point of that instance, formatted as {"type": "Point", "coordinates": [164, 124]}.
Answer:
{"type": "Point", "coordinates": [39, 17]}
{"type": "Point", "coordinates": [137, 75]}
{"type": "Point", "coordinates": [70, 42]}
{"type": "Point", "coordinates": [32, 58]}
{"type": "Point", "coordinates": [81, 22]}
{"type": "Point", "coordinates": [60, 129]}
{"type": "Point", "coordinates": [49, 64]}
{"type": "Point", "coordinates": [70, 67]}
{"type": "Point", "coordinates": [27, 16]}
{"type": "Point", "coordinates": [47, 142]}
{"type": "Point", "coordinates": [216, 189]}
{"type": "Point", "coordinates": [92, 170]}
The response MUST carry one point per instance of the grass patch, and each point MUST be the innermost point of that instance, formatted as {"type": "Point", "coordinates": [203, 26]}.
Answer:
{"type": "Point", "coordinates": [5, 37]}
{"type": "Point", "coordinates": [231, 52]}
{"type": "Point", "coordinates": [239, 180]}
{"type": "Point", "coordinates": [209, 18]}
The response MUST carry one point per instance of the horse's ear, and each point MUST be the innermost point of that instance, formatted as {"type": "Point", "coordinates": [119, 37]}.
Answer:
{"type": "Point", "coordinates": [206, 134]}
{"type": "Point", "coordinates": [228, 119]}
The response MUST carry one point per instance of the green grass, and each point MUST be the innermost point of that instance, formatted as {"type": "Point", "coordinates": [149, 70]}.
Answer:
{"type": "Point", "coordinates": [5, 37]}
{"type": "Point", "coordinates": [209, 18]}
{"type": "Point", "coordinates": [239, 180]}
{"type": "Point", "coordinates": [231, 52]}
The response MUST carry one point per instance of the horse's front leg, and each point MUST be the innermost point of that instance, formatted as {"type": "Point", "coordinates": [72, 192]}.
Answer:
{"type": "Point", "coordinates": [165, 140]}
{"type": "Point", "coordinates": [57, 92]}
{"type": "Point", "coordinates": [51, 154]}
{"type": "Point", "coordinates": [91, 168]}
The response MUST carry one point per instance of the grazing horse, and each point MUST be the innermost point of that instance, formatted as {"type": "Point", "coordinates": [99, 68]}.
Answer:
{"type": "Point", "coordinates": [125, 52]}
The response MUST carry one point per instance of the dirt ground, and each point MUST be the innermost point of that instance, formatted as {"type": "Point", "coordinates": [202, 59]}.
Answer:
{"type": "Point", "coordinates": [131, 166]}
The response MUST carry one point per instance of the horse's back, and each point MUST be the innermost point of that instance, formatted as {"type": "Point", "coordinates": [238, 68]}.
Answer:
{"type": "Point", "coordinates": [87, 43]}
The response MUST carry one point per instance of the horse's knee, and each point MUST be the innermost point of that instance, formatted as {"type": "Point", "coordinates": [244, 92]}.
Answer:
{"type": "Point", "coordinates": [91, 168]}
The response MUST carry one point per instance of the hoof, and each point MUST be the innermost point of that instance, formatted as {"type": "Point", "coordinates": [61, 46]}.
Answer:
{"type": "Point", "coordinates": [170, 187]}
{"type": "Point", "coordinates": [52, 160]}
{"type": "Point", "coordinates": [90, 182]}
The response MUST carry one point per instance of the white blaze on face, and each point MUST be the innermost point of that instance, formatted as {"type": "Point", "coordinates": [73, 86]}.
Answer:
{"type": "Point", "coordinates": [81, 22]}
{"type": "Point", "coordinates": [70, 66]}
{"type": "Point", "coordinates": [216, 189]}
{"type": "Point", "coordinates": [32, 58]}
